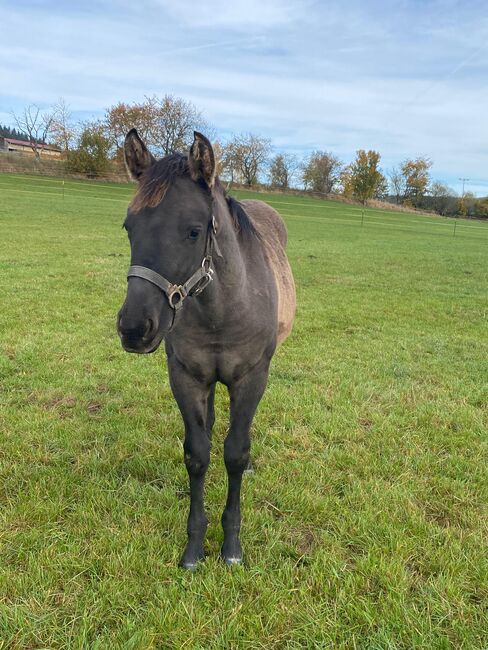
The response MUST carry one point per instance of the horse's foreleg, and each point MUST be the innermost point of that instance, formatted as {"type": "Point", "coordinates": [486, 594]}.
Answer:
{"type": "Point", "coordinates": [192, 398]}
{"type": "Point", "coordinates": [211, 411]}
{"type": "Point", "coordinates": [245, 395]}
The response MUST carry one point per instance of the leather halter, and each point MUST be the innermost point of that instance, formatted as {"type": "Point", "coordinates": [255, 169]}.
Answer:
{"type": "Point", "coordinates": [196, 283]}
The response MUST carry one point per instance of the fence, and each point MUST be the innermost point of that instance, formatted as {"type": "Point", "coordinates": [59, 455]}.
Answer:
{"type": "Point", "coordinates": [15, 163]}
{"type": "Point", "coordinates": [49, 179]}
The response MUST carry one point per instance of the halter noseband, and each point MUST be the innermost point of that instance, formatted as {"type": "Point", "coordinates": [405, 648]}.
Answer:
{"type": "Point", "coordinates": [196, 283]}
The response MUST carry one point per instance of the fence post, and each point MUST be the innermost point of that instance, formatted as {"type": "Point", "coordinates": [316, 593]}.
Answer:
{"type": "Point", "coordinates": [455, 224]}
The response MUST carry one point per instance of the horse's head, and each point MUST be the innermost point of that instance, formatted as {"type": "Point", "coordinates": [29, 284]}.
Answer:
{"type": "Point", "coordinates": [169, 223]}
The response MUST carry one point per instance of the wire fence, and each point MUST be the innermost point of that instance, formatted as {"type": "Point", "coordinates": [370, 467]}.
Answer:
{"type": "Point", "coordinates": [302, 206]}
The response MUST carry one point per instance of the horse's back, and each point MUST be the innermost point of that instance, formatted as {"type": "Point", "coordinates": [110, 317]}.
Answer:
{"type": "Point", "coordinates": [272, 232]}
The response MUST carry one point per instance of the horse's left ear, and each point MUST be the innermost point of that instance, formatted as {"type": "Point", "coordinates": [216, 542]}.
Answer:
{"type": "Point", "coordinates": [201, 159]}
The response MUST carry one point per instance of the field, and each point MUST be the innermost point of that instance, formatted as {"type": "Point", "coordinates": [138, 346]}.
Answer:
{"type": "Point", "coordinates": [365, 522]}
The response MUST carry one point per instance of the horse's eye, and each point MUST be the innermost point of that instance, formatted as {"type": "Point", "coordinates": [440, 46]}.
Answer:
{"type": "Point", "coordinates": [194, 233]}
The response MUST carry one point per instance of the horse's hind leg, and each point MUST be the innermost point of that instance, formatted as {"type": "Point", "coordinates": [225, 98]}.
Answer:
{"type": "Point", "coordinates": [245, 395]}
{"type": "Point", "coordinates": [192, 398]}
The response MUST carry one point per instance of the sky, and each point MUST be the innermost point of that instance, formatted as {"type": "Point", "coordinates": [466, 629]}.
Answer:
{"type": "Point", "coordinates": [405, 78]}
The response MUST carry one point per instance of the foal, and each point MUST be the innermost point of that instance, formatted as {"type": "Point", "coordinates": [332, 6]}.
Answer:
{"type": "Point", "coordinates": [209, 275]}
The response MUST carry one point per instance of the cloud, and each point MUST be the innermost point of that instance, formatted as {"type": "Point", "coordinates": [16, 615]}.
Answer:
{"type": "Point", "coordinates": [236, 16]}
{"type": "Point", "coordinates": [406, 78]}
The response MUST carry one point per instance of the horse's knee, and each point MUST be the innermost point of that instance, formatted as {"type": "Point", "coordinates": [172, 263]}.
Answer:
{"type": "Point", "coordinates": [236, 455]}
{"type": "Point", "coordinates": [197, 458]}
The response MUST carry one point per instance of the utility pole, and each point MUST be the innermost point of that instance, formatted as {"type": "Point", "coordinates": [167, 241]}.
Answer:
{"type": "Point", "coordinates": [464, 180]}
{"type": "Point", "coordinates": [462, 206]}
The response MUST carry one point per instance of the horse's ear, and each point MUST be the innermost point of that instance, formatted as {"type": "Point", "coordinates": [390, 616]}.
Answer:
{"type": "Point", "coordinates": [136, 155]}
{"type": "Point", "coordinates": [201, 159]}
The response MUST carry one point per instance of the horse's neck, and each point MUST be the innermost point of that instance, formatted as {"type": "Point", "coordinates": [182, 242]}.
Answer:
{"type": "Point", "coordinates": [230, 277]}
{"type": "Point", "coordinates": [230, 265]}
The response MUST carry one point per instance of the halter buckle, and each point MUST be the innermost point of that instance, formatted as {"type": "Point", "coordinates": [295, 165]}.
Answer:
{"type": "Point", "coordinates": [176, 294]}
{"type": "Point", "coordinates": [205, 281]}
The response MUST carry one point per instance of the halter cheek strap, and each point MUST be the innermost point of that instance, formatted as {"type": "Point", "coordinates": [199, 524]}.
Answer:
{"type": "Point", "coordinates": [196, 283]}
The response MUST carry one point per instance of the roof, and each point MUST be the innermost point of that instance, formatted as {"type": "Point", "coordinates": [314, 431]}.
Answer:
{"type": "Point", "coordinates": [26, 143]}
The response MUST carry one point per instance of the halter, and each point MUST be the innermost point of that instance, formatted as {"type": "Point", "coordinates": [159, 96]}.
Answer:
{"type": "Point", "coordinates": [196, 283]}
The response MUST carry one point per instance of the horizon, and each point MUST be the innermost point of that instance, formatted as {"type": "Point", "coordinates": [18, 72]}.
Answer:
{"type": "Point", "coordinates": [405, 79]}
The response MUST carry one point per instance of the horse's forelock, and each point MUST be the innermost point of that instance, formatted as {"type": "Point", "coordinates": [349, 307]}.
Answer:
{"type": "Point", "coordinates": [157, 179]}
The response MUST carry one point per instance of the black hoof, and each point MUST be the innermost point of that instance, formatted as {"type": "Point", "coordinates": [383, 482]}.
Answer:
{"type": "Point", "coordinates": [231, 552]}
{"type": "Point", "coordinates": [191, 559]}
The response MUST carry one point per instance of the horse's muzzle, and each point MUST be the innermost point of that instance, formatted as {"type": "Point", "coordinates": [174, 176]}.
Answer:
{"type": "Point", "coordinates": [142, 338]}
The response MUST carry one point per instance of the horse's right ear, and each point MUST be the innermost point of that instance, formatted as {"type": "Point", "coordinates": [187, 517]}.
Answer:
{"type": "Point", "coordinates": [136, 155]}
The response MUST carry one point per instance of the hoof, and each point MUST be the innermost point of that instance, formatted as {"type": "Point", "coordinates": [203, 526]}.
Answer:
{"type": "Point", "coordinates": [232, 561]}
{"type": "Point", "coordinates": [231, 552]}
{"type": "Point", "coordinates": [191, 558]}
{"type": "Point", "coordinates": [189, 566]}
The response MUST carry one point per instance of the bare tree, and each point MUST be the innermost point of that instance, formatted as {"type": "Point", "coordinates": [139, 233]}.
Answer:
{"type": "Point", "coordinates": [174, 121]}
{"type": "Point", "coordinates": [229, 162]}
{"type": "Point", "coordinates": [397, 184]}
{"type": "Point", "coordinates": [36, 124]}
{"type": "Point", "coordinates": [245, 157]}
{"type": "Point", "coordinates": [321, 172]}
{"type": "Point", "coordinates": [282, 170]}
{"type": "Point", "coordinates": [63, 130]}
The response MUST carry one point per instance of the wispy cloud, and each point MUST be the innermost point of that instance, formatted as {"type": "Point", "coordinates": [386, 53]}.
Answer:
{"type": "Point", "coordinates": [404, 77]}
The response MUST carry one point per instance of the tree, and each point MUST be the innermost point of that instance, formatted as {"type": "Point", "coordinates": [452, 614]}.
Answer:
{"type": "Point", "coordinates": [165, 123]}
{"type": "Point", "coordinates": [345, 182]}
{"type": "Point", "coordinates": [91, 155]}
{"type": "Point", "coordinates": [10, 132]}
{"type": "Point", "coordinates": [218, 150]}
{"type": "Point", "coordinates": [397, 184]}
{"type": "Point", "coordinates": [174, 121]}
{"type": "Point", "coordinates": [481, 208]}
{"type": "Point", "coordinates": [383, 190]}
{"type": "Point", "coordinates": [245, 157]}
{"type": "Point", "coordinates": [121, 118]}
{"type": "Point", "coordinates": [366, 179]}
{"type": "Point", "coordinates": [468, 204]}
{"type": "Point", "coordinates": [443, 201]}
{"type": "Point", "coordinates": [416, 178]}
{"type": "Point", "coordinates": [281, 170]}
{"type": "Point", "coordinates": [63, 131]}
{"type": "Point", "coordinates": [36, 124]}
{"type": "Point", "coordinates": [321, 171]}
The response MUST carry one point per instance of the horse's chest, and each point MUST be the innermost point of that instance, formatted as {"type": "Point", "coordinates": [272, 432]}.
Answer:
{"type": "Point", "coordinates": [218, 360]}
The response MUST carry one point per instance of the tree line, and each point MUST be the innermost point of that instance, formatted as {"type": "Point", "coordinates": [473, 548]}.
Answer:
{"type": "Point", "coordinates": [167, 123]}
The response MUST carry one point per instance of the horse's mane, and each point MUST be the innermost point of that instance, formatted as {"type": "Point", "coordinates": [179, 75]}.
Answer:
{"type": "Point", "coordinates": [157, 179]}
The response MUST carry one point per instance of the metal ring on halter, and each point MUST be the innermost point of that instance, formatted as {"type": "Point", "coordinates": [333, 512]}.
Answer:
{"type": "Point", "coordinates": [204, 282]}
{"type": "Point", "coordinates": [178, 293]}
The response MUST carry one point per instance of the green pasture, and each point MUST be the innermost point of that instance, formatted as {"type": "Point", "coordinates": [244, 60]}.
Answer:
{"type": "Point", "coordinates": [365, 523]}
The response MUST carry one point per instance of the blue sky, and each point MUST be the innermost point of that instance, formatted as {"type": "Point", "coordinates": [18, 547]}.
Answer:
{"type": "Point", "coordinates": [406, 78]}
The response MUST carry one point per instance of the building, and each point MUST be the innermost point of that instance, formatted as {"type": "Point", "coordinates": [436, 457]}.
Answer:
{"type": "Point", "coordinates": [10, 145]}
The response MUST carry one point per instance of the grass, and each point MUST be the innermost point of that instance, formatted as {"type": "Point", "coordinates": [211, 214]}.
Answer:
{"type": "Point", "coordinates": [365, 523]}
